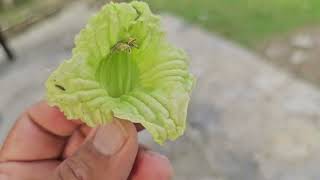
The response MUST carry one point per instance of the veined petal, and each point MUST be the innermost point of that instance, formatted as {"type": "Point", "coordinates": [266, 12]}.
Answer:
{"type": "Point", "coordinates": [123, 66]}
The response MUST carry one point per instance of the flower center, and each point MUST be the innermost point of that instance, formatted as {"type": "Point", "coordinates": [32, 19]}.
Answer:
{"type": "Point", "coordinates": [118, 73]}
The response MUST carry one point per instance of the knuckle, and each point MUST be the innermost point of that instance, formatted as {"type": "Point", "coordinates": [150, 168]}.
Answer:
{"type": "Point", "coordinates": [75, 169]}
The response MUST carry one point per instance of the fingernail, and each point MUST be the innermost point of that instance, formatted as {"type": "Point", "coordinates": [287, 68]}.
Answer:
{"type": "Point", "coordinates": [110, 138]}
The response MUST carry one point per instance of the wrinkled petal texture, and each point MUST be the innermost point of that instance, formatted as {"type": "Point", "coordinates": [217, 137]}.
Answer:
{"type": "Point", "coordinates": [159, 88]}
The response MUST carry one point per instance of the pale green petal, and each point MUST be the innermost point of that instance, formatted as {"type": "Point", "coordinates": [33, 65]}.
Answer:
{"type": "Point", "coordinates": [108, 77]}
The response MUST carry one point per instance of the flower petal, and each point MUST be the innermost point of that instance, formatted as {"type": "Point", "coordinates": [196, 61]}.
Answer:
{"type": "Point", "coordinates": [107, 77]}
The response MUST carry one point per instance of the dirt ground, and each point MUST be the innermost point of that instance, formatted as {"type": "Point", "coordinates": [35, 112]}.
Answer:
{"type": "Point", "coordinates": [297, 52]}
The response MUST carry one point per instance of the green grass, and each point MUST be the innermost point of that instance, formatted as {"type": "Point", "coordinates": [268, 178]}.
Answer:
{"type": "Point", "coordinates": [246, 21]}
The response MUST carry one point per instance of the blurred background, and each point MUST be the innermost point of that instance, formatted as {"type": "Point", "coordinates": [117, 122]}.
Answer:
{"type": "Point", "coordinates": [254, 113]}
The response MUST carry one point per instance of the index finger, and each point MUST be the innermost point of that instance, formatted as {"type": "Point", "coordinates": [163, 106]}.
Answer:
{"type": "Point", "coordinates": [40, 133]}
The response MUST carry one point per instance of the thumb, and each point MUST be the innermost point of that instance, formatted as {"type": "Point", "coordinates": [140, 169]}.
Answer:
{"type": "Point", "coordinates": [109, 153]}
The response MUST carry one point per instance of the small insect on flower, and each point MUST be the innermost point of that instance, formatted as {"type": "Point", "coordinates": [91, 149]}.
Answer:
{"type": "Point", "coordinates": [132, 42]}
{"type": "Point", "coordinates": [60, 87]}
{"type": "Point", "coordinates": [122, 47]}
{"type": "Point", "coordinates": [127, 45]}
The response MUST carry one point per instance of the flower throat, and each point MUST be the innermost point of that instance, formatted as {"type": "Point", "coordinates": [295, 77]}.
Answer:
{"type": "Point", "coordinates": [118, 73]}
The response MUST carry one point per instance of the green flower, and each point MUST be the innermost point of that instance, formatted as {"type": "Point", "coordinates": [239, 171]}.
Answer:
{"type": "Point", "coordinates": [122, 66]}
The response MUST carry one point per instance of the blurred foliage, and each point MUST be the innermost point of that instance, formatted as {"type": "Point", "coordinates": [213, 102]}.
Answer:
{"type": "Point", "coordinates": [24, 10]}
{"type": "Point", "coordinates": [4, 4]}
{"type": "Point", "coordinates": [246, 21]}
{"type": "Point", "coordinates": [15, 12]}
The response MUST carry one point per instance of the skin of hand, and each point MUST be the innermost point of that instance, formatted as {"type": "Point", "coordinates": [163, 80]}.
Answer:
{"type": "Point", "coordinates": [44, 145]}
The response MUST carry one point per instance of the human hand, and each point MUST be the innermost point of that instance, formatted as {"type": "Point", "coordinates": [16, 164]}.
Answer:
{"type": "Point", "coordinates": [44, 145]}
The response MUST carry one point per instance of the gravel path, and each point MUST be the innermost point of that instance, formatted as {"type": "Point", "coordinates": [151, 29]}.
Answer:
{"type": "Point", "coordinates": [248, 120]}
